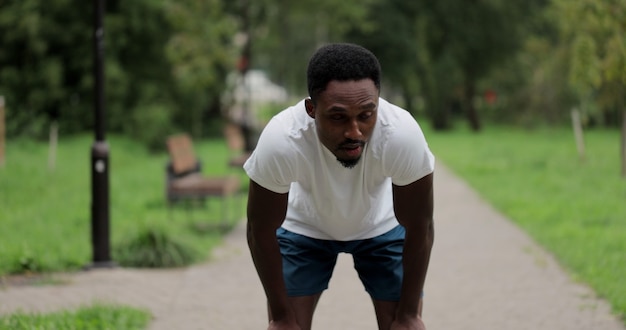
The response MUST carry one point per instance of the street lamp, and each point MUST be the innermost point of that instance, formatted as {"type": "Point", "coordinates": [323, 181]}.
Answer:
{"type": "Point", "coordinates": [99, 153]}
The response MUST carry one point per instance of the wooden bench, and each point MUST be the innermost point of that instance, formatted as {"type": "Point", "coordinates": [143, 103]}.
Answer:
{"type": "Point", "coordinates": [184, 178]}
{"type": "Point", "coordinates": [236, 145]}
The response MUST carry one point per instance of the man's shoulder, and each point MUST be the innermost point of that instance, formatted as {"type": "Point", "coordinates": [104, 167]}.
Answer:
{"type": "Point", "coordinates": [398, 128]}
{"type": "Point", "coordinates": [292, 120]}
{"type": "Point", "coordinates": [391, 113]}
{"type": "Point", "coordinates": [287, 133]}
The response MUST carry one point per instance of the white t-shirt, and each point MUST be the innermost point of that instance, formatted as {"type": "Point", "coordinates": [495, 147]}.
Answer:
{"type": "Point", "coordinates": [327, 200]}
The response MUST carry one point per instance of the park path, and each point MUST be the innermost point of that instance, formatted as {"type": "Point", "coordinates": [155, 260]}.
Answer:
{"type": "Point", "coordinates": [485, 274]}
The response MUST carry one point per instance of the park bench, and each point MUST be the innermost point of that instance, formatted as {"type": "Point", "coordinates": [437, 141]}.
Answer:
{"type": "Point", "coordinates": [185, 181]}
{"type": "Point", "coordinates": [236, 145]}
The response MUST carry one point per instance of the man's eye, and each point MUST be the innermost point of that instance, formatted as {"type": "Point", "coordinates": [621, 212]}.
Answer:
{"type": "Point", "coordinates": [366, 115]}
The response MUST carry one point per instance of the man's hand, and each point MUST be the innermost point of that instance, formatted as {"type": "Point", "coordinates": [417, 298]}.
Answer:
{"type": "Point", "coordinates": [284, 325]}
{"type": "Point", "coordinates": [408, 324]}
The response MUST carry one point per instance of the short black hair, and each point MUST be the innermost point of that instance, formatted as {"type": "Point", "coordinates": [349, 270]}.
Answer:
{"type": "Point", "coordinates": [341, 62]}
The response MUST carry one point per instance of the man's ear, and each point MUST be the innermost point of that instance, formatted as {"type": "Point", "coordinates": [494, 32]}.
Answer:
{"type": "Point", "coordinates": [310, 107]}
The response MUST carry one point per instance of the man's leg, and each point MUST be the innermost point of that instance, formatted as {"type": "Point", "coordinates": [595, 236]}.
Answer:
{"type": "Point", "coordinates": [386, 312]}
{"type": "Point", "coordinates": [378, 261]}
{"type": "Point", "coordinates": [308, 264]}
{"type": "Point", "coordinates": [304, 307]}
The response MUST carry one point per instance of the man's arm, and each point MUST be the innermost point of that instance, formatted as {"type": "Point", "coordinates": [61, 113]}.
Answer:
{"type": "Point", "coordinates": [413, 206]}
{"type": "Point", "coordinates": [266, 212]}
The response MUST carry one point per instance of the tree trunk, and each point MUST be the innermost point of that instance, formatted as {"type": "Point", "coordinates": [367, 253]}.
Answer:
{"type": "Point", "coordinates": [623, 144]}
{"type": "Point", "coordinates": [2, 131]}
{"type": "Point", "coordinates": [407, 97]}
{"type": "Point", "coordinates": [439, 113]}
{"type": "Point", "coordinates": [472, 114]}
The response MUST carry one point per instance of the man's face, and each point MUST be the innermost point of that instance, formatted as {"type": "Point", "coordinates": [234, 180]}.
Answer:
{"type": "Point", "coordinates": [345, 116]}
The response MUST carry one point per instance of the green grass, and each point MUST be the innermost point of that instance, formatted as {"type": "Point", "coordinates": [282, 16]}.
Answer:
{"type": "Point", "coordinates": [574, 208]}
{"type": "Point", "coordinates": [45, 217]}
{"type": "Point", "coordinates": [97, 317]}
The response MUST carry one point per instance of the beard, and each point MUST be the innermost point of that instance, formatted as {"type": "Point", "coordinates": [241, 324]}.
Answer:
{"type": "Point", "coordinates": [349, 163]}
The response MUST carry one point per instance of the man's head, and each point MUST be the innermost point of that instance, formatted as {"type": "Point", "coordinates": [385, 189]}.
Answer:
{"type": "Point", "coordinates": [341, 62]}
{"type": "Point", "coordinates": [344, 85]}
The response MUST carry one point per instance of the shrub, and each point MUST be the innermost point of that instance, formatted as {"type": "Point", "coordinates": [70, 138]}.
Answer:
{"type": "Point", "coordinates": [150, 125]}
{"type": "Point", "coordinates": [154, 248]}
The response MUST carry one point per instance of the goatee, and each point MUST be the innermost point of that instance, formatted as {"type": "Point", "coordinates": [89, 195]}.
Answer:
{"type": "Point", "coordinates": [349, 163]}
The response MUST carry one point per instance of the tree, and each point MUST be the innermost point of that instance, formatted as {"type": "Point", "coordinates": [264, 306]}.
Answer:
{"type": "Point", "coordinates": [596, 33]}
{"type": "Point", "coordinates": [43, 63]}
{"type": "Point", "coordinates": [460, 45]}
{"type": "Point", "coordinates": [285, 34]}
{"type": "Point", "coordinates": [139, 85]}
{"type": "Point", "coordinates": [438, 51]}
{"type": "Point", "coordinates": [390, 34]}
{"type": "Point", "coordinates": [532, 85]}
{"type": "Point", "coordinates": [201, 52]}
{"type": "Point", "coordinates": [165, 61]}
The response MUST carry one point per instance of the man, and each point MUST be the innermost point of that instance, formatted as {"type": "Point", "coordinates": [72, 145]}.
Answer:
{"type": "Point", "coordinates": [341, 171]}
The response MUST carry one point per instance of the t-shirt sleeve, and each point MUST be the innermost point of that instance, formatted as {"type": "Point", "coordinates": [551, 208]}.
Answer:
{"type": "Point", "coordinates": [270, 165]}
{"type": "Point", "coordinates": [408, 157]}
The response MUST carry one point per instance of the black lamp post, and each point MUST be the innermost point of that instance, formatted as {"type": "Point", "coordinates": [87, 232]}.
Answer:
{"type": "Point", "coordinates": [244, 66]}
{"type": "Point", "coordinates": [99, 152]}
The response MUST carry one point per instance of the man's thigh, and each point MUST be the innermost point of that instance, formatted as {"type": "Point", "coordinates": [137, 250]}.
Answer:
{"type": "Point", "coordinates": [378, 261]}
{"type": "Point", "coordinates": [308, 263]}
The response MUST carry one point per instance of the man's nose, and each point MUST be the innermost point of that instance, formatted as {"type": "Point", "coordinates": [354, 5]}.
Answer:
{"type": "Point", "coordinates": [353, 131]}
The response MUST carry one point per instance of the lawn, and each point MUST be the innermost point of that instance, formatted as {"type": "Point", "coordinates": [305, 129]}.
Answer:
{"type": "Point", "coordinates": [575, 208]}
{"type": "Point", "coordinates": [96, 317]}
{"type": "Point", "coordinates": [45, 217]}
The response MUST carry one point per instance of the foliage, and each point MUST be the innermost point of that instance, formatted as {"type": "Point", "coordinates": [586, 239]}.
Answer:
{"type": "Point", "coordinates": [441, 56]}
{"type": "Point", "coordinates": [439, 48]}
{"type": "Point", "coordinates": [154, 248]}
{"type": "Point", "coordinates": [169, 59]}
{"type": "Point", "coordinates": [574, 208]}
{"type": "Point", "coordinates": [532, 86]}
{"type": "Point", "coordinates": [596, 33]}
{"type": "Point", "coordinates": [461, 45]}
{"type": "Point", "coordinates": [166, 55]}
{"type": "Point", "coordinates": [572, 58]}
{"type": "Point", "coordinates": [391, 35]}
{"type": "Point", "coordinates": [45, 217]}
{"type": "Point", "coordinates": [44, 63]}
{"type": "Point", "coordinates": [96, 317]}
{"type": "Point", "coordinates": [152, 123]}
{"type": "Point", "coordinates": [202, 53]}
{"type": "Point", "coordinates": [286, 33]}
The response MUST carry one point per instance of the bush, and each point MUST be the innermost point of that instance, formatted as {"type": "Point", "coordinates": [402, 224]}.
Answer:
{"type": "Point", "coordinates": [151, 124]}
{"type": "Point", "coordinates": [154, 248]}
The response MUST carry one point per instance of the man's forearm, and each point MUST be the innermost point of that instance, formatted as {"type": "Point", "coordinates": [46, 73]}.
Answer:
{"type": "Point", "coordinates": [268, 263]}
{"type": "Point", "coordinates": [416, 256]}
{"type": "Point", "coordinates": [414, 205]}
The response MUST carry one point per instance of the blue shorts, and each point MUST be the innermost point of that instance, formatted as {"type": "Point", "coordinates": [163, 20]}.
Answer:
{"type": "Point", "coordinates": [308, 263]}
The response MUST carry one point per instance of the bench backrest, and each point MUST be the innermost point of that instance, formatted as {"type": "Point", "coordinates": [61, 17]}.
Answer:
{"type": "Point", "coordinates": [183, 157]}
{"type": "Point", "coordinates": [234, 138]}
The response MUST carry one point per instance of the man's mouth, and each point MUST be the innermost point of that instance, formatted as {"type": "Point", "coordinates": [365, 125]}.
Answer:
{"type": "Point", "coordinates": [352, 149]}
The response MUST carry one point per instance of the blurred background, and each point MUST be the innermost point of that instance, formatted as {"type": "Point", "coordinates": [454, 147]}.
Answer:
{"type": "Point", "coordinates": [524, 100]}
{"type": "Point", "coordinates": [168, 62]}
